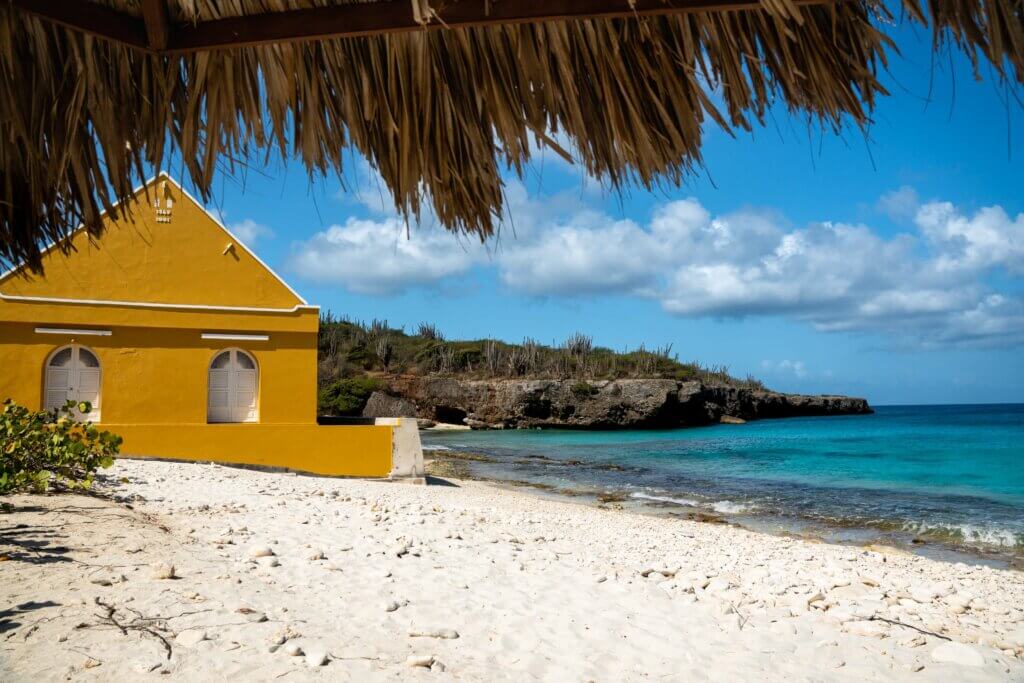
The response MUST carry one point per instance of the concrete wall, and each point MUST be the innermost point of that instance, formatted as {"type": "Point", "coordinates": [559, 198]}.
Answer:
{"type": "Point", "coordinates": [406, 449]}
{"type": "Point", "coordinates": [354, 451]}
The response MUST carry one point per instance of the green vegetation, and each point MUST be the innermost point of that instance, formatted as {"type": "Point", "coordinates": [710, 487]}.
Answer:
{"type": "Point", "coordinates": [40, 448]}
{"type": "Point", "coordinates": [346, 396]}
{"type": "Point", "coordinates": [352, 353]}
{"type": "Point", "coordinates": [583, 389]}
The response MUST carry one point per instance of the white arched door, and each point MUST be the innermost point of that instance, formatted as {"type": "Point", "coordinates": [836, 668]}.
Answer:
{"type": "Point", "coordinates": [231, 395]}
{"type": "Point", "coordinates": [73, 374]}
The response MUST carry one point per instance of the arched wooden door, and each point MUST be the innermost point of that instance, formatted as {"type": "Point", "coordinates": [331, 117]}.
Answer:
{"type": "Point", "coordinates": [73, 373]}
{"type": "Point", "coordinates": [232, 386]}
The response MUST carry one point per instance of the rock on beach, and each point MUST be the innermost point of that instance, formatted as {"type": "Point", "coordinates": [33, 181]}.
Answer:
{"type": "Point", "coordinates": [958, 653]}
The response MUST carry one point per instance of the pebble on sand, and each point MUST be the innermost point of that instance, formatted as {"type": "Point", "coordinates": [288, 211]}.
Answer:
{"type": "Point", "coordinates": [252, 615]}
{"type": "Point", "coordinates": [164, 570]}
{"type": "Point", "coordinates": [1015, 638]}
{"type": "Point", "coordinates": [445, 633]}
{"type": "Point", "coordinates": [145, 666]}
{"type": "Point", "coordinates": [419, 660]}
{"type": "Point", "coordinates": [261, 551]}
{"type": "Point", "coordinates": [957, 653]}
{"type": "Point", "coordinates": [190, 638]}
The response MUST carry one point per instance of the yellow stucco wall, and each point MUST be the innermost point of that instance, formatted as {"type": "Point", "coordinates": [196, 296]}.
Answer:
{"type": "Point", "coordinates": [159, 376]}
{"type": "Point", "coordinates": [154, 363]}
{"type": "Point", "coordinates": [157, 287]}
{"type": "Point", "coordinates": [353, 451]}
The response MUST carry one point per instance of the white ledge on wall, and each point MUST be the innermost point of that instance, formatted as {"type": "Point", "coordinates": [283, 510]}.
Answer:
{"type": "Point", "coordinates": [68, 330]}
{"type": "Point", "coordinates": [148, 304]}
{"type": "Point", "coordinates": [235, 337]}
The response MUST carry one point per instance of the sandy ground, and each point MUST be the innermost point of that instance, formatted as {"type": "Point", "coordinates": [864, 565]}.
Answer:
{"type": "Point", "coordinates": [384, 581]}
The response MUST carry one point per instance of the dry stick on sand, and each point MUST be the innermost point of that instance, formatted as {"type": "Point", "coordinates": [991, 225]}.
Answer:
{"type": "Point", "coordinates": [893, 622]}
{"type": "Point", "coordinates": [142, 624]}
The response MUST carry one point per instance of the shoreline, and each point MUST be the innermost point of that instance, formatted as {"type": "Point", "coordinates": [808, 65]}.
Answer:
{"type": "Point", "coordinates": [536, 469]}
{"type": "Point", "coordinates": [461, 580]}
{"type": "Point", "coordinates": [867, 538]}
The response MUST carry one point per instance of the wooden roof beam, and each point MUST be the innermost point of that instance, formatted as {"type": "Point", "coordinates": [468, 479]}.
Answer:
{"type": "Point", "coordinates": [349, 20]}
{"type": "Point", "coordinates": [88, 17]}
{"type": "Point", "coordinates": [158, 24]}
{"type": "Point", "coordinates": [396, 16]}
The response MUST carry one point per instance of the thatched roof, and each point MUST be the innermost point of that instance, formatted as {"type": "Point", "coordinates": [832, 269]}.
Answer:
{"type": "Point", "coordinates": [439, 95]}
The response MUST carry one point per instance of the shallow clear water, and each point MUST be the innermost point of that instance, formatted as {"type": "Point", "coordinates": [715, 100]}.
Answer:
{"type": "Point", "coordinates": [946, 475]}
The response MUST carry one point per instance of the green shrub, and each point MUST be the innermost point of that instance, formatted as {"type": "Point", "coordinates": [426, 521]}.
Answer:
{"type": "Point", "coordinates": [583, 390]}
{"type": "Point", "coordinates": [42, 447]}
{"type": "Point", "coordinates": [347, 396]}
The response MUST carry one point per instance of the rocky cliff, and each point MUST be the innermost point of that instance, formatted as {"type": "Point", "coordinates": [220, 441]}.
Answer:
{"type": "Point", "coordinates": [610, 404]}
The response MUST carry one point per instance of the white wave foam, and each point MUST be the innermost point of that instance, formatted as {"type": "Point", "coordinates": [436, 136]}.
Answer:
{"type": "Point", "coordinates": [971, 533]}
{"type": "Point", "coordinates": [431, 447]}
{"type": "Point", "coordinates": [666, 499]}
{"type": "Point", "coordinates": [727, 507]}
{"type": "Point", "coordinates": [992, 536]}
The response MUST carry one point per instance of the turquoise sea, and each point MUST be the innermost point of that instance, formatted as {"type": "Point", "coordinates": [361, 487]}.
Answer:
{"type": "Point", "coordinates": [940, 480]}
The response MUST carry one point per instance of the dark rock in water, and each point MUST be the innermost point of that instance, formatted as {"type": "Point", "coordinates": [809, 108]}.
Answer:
{"type": "Point", "coordinates": [605, 404]}
{"type": "Point", "coordinates": [705, 517]}
{"type": "Point", "coordinates": [385, 405]}
{"type": "Point", "coordinates": [612, 497]}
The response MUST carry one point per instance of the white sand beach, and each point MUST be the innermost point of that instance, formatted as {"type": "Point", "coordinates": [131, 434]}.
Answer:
{"type": "Point", "coordinates": [285, 577]}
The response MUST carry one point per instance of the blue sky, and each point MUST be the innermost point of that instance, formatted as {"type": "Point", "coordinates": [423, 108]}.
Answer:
{"type": "Point", "coordinates": [889, 266]}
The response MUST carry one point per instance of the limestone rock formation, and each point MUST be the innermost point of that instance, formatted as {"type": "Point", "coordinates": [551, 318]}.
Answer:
{"type": "Point", "coordinates": [381, 404]}
{"type": "Point", "coordinates": [605, 404]}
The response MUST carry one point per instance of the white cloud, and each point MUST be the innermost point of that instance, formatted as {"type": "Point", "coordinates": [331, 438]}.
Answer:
{"type": "Point", "coordinates": [589, 255]}
{"type": "Point", "coordinates": [988, 239]}
{"type": "Point", "coordinates": [899, 204]}
{"type": "Point", "coordinates": [543, 154]}
{"type": "Point", "coordinates": [375, 257]}
{"type": "Point", "coordinates": [796, 368]}
{"type": "Point", "coordinates": [926, 287]}
{"type": "Point", "coordinates": [930, 286]}
{"type": "Point", "coordinates": [249, 231]}
{"type": "Point", "coordinates": [767, 269]}
{"type": "Point", "coordinates": [381, 256]}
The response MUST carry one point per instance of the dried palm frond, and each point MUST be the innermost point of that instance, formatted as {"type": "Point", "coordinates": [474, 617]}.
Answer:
{"type": "Point", "coordinates": [438, 113]}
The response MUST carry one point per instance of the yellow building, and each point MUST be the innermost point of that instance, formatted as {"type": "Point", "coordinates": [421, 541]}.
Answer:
{"type": "Point", "coordinates": [186, 344]}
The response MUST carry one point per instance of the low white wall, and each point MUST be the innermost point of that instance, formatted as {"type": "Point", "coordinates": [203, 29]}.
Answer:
{"type": "Point", "coordinates": [406, 450]}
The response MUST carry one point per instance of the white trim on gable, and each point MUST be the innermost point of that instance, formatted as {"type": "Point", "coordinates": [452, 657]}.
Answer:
{"type": "Point", "coordinates": [163, 174]}
{"type": "Point", "coordinates": [150, 304]}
